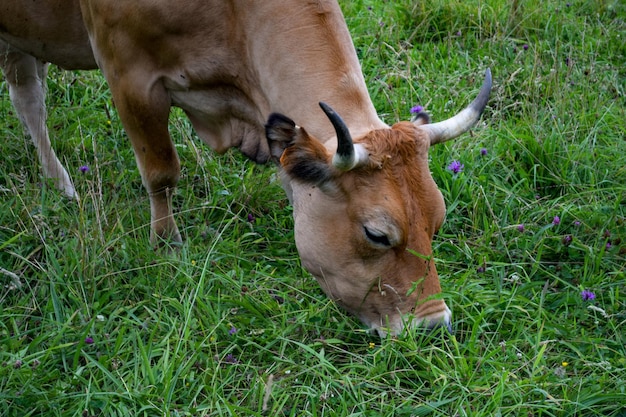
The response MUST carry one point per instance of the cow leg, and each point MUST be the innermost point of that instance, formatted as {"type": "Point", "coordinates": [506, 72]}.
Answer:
{"type": "Point", "coordinates": [144, 111]}
{"type": "Point", "coordinates": [26, 77]}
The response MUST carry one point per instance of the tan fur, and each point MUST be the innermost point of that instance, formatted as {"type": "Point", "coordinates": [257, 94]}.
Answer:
{"type": "Point", "coordinates": [396, 193]}
{"type": "Point", "coordinates": [229, 64]}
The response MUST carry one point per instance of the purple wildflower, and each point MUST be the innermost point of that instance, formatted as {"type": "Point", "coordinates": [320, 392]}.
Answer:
{"type": "Point", "coordinates": [84, 169]}
{"type": "Point", "coordinates": [608, 245]}
{"type": "Point", "coordinates": [456, 167]}
{"type": "Point", "coordinates": [567, 240]}
{"type": "Point", "coordinates": [525, 47]}
{"type": "Point", "coordinates": [556, 220]}
{"type": "Point", "coordinates": [587, 295]}
{"type": "Point", "coordinates": [521, 228]}
{"type": "Point", "coordinates": [89, 340]}
{"type": "Point", "coordinates": [576, 223]}
{"type": "Point", "coordinates": [232, 330]}
{"type": "Point", "coordinates": [251, 218]}
{"type": "Point", "coordinates": [483, 151]}
{"type": "Point", "coordinates": [230, 358]}
{"type": "Point", "coordinates": [417, 109]}
{"type": "Point", "coordinates": [17, 364]}
{"type": "Point", "coordinates": [480, 269]}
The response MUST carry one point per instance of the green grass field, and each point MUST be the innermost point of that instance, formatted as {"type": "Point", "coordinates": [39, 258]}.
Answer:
{"type": "Point", "coordinates": [231, 325]}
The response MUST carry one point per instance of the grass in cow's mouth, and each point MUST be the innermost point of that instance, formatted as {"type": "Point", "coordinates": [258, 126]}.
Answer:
{"type": "Point", "coordinates": [93, 322]}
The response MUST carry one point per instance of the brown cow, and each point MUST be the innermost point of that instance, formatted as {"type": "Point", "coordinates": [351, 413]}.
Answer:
{"type": "Point", "coordinates": [365, 205]}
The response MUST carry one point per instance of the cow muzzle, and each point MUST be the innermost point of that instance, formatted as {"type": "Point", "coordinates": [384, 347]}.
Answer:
{"type": "Point", "coordinates": [432, 315]}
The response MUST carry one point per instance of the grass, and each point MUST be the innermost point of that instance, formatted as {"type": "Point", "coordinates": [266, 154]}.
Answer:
{"type": "Point", "coordinates": [103, 325]}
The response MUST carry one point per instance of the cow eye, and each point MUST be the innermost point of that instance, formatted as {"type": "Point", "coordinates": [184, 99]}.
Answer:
{"type": "Point", "coordinates": [377, 237]}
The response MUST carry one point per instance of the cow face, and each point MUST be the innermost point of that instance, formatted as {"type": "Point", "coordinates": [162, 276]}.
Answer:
{"type": "Point", "coordinates": [365, 214]}
{"type": "Point", "coordinates": [365, 233]}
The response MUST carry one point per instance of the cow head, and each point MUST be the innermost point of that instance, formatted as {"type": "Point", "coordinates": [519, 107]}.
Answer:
{"type": "Point", "coordinates": [365, 215]}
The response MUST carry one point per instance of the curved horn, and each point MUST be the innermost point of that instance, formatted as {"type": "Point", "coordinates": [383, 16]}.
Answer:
{"type": "Point", "coordinates": [348, 155]}
{"type": "Point", "coordinates": [463, 121]}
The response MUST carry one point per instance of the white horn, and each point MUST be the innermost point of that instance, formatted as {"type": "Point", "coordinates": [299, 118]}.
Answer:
{"type": "Point", "coordinates": [463, 121]}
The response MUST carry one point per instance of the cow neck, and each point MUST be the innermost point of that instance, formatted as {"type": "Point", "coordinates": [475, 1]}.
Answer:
{"type": "Point", "coordinates": [352, 103]}
{"type": "Point", "coordinates": [316, 61]}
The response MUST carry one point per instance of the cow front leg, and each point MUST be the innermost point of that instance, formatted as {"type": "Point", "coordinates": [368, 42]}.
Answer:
{"type": "Point", "coordinates": [144, 111]}
{"type": "Point", "coordinates": [26, 77]}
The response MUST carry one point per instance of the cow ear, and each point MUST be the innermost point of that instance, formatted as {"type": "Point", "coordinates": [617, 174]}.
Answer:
{"type": "Point", "coordinates": [281, 133]}
{"type": "Point", "coordinates": [301, 156]}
